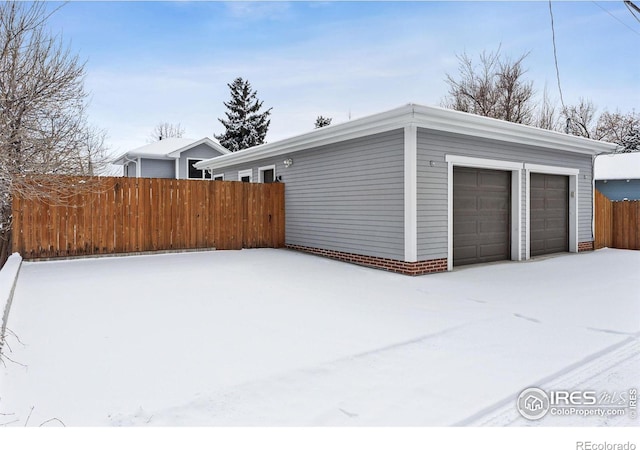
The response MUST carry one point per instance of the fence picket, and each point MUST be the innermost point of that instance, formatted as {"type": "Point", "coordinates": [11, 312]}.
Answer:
{"type": "Point", "coordinates": [122, 215]}
{"type": "Point", "coordinates": [617, 223]}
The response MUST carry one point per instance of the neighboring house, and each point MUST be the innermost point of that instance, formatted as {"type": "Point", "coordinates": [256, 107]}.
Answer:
{"type": "Point", "coordinates": [618, 176]}
{"type": "Point", "coordinates": [421, 189]}
{"type": "Point", "coordinates": [170, 158]}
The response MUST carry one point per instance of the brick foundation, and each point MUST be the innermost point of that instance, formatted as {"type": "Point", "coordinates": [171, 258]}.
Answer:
{"type": "Point", "coordinates": [392, 265]}
{"type": "Point", "coordinates": [585, 246]}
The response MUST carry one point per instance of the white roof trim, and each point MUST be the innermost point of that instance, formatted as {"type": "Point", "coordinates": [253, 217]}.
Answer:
{"type": "Point", "coordinates": [429, 117]}
{"type": "Point", "coordinates": [208, 141]}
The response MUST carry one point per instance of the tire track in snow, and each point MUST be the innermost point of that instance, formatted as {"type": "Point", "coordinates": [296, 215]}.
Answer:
{"type": "Point", "coordinates": [504, 413]}
{"type": "Point", "coordinates": [340, 392]}
{"type": "Point", "coordinates": [336, 392]}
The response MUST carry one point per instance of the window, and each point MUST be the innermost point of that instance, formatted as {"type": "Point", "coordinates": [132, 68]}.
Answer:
{"type": "Point", "coordinates": [245, 175]}
{"type": "Point", "coordinates": [267, 174]}
{"type": "Point", "coordinates": [196, 174]}
{"type": "Point", "coordinates": [219, 177]}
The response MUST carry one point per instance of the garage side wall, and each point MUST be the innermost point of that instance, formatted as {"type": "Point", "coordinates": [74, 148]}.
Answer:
{"type": "Point", "coordinates": [432, 183]}
{"type": "Point", "coordinates": [346, 197]}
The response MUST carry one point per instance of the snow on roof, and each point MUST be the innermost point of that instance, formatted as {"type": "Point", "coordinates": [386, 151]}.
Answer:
{"type": "Point", "coordinates": [169, 148]}
{"type": "Point", "coordinates": [162, 147]}
{"type": "Point", "coordinates": [429, 117]}
{"type": "Point", "coordinates": [618, 166]}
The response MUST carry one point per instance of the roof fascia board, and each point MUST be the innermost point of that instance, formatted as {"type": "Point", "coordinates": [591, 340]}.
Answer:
{"type": "Point", "coordinates": [391, 120]}
{"type": "Point", "coordinates": [123, 158]}
{"type": "Point", "coordinates": [484, 127]}
{"type": "Point", "coordinates": [439, 119]}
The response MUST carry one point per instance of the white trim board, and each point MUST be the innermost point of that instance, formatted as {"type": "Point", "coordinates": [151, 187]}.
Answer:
{"type": "Point", "coordinates": [482, 163]}
{"type": "Point", "coordinates": [246, 173]}
{"type": "Point", "coordinates": [431, 118]}
{"type": "Point", "coordinates": [551, 170]}
{"type": "Point", "coordinates": [410, 193]}
{"type": "Point", "coordinates": [263, 169]}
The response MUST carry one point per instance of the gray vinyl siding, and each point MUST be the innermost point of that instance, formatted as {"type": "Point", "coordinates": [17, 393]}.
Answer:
{"type": "Point", "coordinates": [201, 152]}
{"type": "Point", "coordinates": [346, 197]}
{"type": "Point", "coordinates": [157, 168]}
{"type": "Point", "coordinates": [129, 170]}
{"type": "Point", "coordinates": [432, 183]}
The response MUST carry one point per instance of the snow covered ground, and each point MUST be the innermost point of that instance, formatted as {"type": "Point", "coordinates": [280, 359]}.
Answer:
{"type": "Point", "coordinates": [275, 337]}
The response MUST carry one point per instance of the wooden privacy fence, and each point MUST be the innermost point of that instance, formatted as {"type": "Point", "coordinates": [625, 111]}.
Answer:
{"type": "Point", "coordinates": [617, 224]}
{"type": "Point", "coordinates": [121, 215]}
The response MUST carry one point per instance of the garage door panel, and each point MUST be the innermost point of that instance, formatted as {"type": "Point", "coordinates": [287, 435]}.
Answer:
{"type": "Point", "coordinates": [559, 205]}
{"type": "Point", "coordinates": [536, 203]}
{"type": "Point", "coordinates": [481, 215]}
{"type": "Point", "coordinates": [537, 246]}
{"type": "Point", "coordinates": [467, 203]}
{"type": "Point", "coordinates": [555, 224]}
{"type": "Point", "coordinates": [537, 183]}
{"type": "Point", "coordinates": [467, 228]}
{"type": "Point", "coordinates": [465, 178]}
{"type": "Point", "coordinates": [491, 179]}
{"type": "Point", "coordinates": [488, 250]}
{"type": "Point", "coordinates": [537, 222]}
{"type": "Point", "coordinates": [549, 207]}
{"type": "Point", "coordinates": [465, 252]}
{"type": "Point", "coordinates": [555, 242]}
{"type": "Point", "coordinates": [488, 205]}
{"type": "Point", "coordinates": [558, 183]}
{"type": "Point", "coordinates": [492, 226]}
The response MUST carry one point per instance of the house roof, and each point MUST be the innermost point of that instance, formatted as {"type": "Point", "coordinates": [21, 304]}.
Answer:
{"type": "Point", "coordinates": [618, 166]}
{"type": "Point", "coordinates": [429, 117]}
{"type": "Point", "coordinates": [169, 148]}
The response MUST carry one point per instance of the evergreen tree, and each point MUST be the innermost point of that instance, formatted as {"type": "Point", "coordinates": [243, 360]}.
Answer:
{"type": "Point", "coordinates": [322, 121]}
{"type": "Point", "coordinates": [245, 125]}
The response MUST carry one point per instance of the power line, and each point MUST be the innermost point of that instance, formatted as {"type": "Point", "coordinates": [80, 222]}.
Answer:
{"type": "Point", "coordinates": [555, 57]}
{"type": "Point", "coordinates": [629, 4]}
{"type": "Point", "coordinates": [609, 12]}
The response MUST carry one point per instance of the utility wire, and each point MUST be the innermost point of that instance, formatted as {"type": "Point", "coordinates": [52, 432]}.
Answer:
{"type": "Point", "coordinates": [629, 4]}
{"type": "Point", "coordinates": [555, 57]}
{"type": "Point", "coordinates": [609, 12]}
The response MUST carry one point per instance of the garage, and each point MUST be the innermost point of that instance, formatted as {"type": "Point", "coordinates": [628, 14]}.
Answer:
{"type": "Point", "coordinates": [549, 214]}
{"type": "Point", "coordinates": [481, 215]}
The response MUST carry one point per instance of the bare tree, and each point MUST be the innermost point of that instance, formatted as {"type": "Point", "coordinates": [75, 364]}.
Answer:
{"type": "Point", "coordinates": [546, 115]}
{"type": "Point", "coordinates": [620, 128]}
{"type": "Point", "coordinates": [623, 129]}
{"type": "Point", "coordinates": [43, 123]}
{"type": "Point", "coordinates": [322, 121]}
{"type": "Point", "coordinates": [580, 119]}
{"type": "Point", "coordinates": [494, 88]}
{"type": "Point", "coordinates": [165, 130]}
